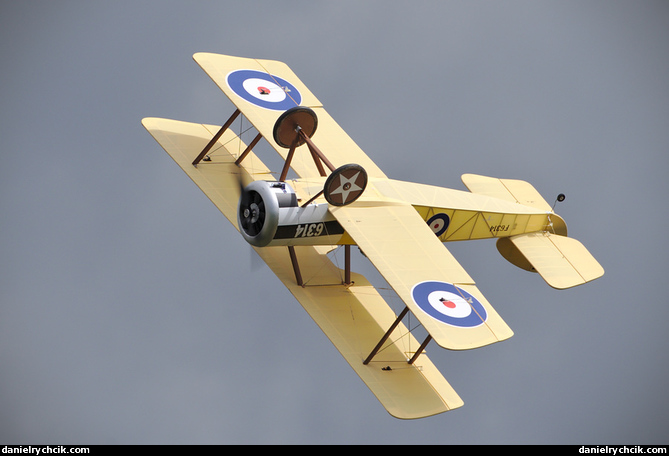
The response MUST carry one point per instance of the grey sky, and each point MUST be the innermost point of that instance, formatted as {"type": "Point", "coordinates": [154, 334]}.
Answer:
{"type": "Point", "coordinates": [132, 312]}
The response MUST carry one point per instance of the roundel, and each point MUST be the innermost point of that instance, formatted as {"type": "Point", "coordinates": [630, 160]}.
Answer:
{"type": "Point", "coordinates": [439, 223]}
{"type": "Point", "coordinates": [264, 89]}
{"type": "Point", "coordinates": [449, 304]}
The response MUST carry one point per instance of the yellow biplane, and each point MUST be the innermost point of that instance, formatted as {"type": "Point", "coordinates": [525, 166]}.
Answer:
{"type": "Point", "coordinates": [341, 198]}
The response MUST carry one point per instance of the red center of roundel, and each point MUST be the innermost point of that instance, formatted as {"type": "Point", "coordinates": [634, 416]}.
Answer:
{"type": "Point", "coordinates": [447, 303]}
{"type": "Point", "coordinates": [263, 90]}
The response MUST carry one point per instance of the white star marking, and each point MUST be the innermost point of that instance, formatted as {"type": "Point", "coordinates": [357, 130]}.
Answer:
{"type": "Point", "coordinates": [346, 186]}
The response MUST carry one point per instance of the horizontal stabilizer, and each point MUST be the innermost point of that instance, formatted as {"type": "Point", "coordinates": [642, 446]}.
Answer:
{"type": "Point", "coordinates": [561, 261]}
{"type": "Point", "coordinates": [513, 190]}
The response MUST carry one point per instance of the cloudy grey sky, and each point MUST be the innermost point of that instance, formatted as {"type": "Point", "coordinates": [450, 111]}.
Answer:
{"type": "Point", "coordinates": [132, 312]}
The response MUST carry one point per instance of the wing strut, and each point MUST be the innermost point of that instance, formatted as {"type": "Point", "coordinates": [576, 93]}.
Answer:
{"type": "Point", "coordinates": [385, 336]}
{"type": "Point", "coordinates": [420, 349]}
{"type": "Point", "coordinates": [248, 149]}
{"type": "Point", "coordinates": [296, 266]}
{"type": "Point", "coordinates": [298, 274]}
{"type": "Point", "coordinates": [216, 137]}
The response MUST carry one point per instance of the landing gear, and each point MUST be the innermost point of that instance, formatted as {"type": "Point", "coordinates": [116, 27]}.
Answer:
{"type": "Point", "coordinates": [295, 127]}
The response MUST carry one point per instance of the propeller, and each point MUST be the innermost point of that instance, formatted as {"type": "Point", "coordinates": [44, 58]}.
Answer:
{"type": "Point", "coordinates": [251, 209]}
{"type": "Point", "coordinates": [251, 212]}
{"type": "Point", "coordinates": [246, 201]}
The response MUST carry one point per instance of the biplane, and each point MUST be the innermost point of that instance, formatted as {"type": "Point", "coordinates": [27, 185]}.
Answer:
{"type": "Point", "coordinates": [340, 198]}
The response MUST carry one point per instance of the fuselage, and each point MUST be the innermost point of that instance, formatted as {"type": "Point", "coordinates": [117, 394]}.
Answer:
{"type": "Point", "coordinates": [453, 215]}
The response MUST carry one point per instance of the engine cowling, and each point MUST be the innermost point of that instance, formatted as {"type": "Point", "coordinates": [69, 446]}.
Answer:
{"type": "Point", "coordinates": [269, 214]}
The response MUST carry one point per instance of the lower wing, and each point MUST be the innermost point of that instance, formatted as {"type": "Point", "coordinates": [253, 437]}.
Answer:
{"type": "Point", "coordinates": [354, 317]}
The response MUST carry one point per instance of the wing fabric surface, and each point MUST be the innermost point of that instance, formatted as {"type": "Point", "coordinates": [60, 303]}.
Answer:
{"type": "Point", "coordinates": [406, 252]}
{"type": "Point", "coordinates": [561, 261]}
{"type": "Point", "coordinates": [516, 191]}
{"type": "Point", "coordinates": [330, 137]}
{"type": "Point", "coordinates": [354, 317]}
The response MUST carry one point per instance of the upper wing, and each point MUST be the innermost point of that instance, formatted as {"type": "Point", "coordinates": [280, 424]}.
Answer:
{"type": "Point", "coordinates": [263, 89]}
{"type": "Point", "coordinates": [353, 317]}
{"type": "Point", "coordinates": [424, 274]}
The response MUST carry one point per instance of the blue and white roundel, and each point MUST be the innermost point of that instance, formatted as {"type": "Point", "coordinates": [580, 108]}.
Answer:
{"type": "Point", "coordinates": [264, 90]}
{"type": "Point", "coordinates": [449, 304]}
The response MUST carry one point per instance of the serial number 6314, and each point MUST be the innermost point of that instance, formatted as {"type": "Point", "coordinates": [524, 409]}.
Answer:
{"type": "Point", "coordinates": [499, 228]}
{"type": "Point", "coordinates": [309, 230]}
